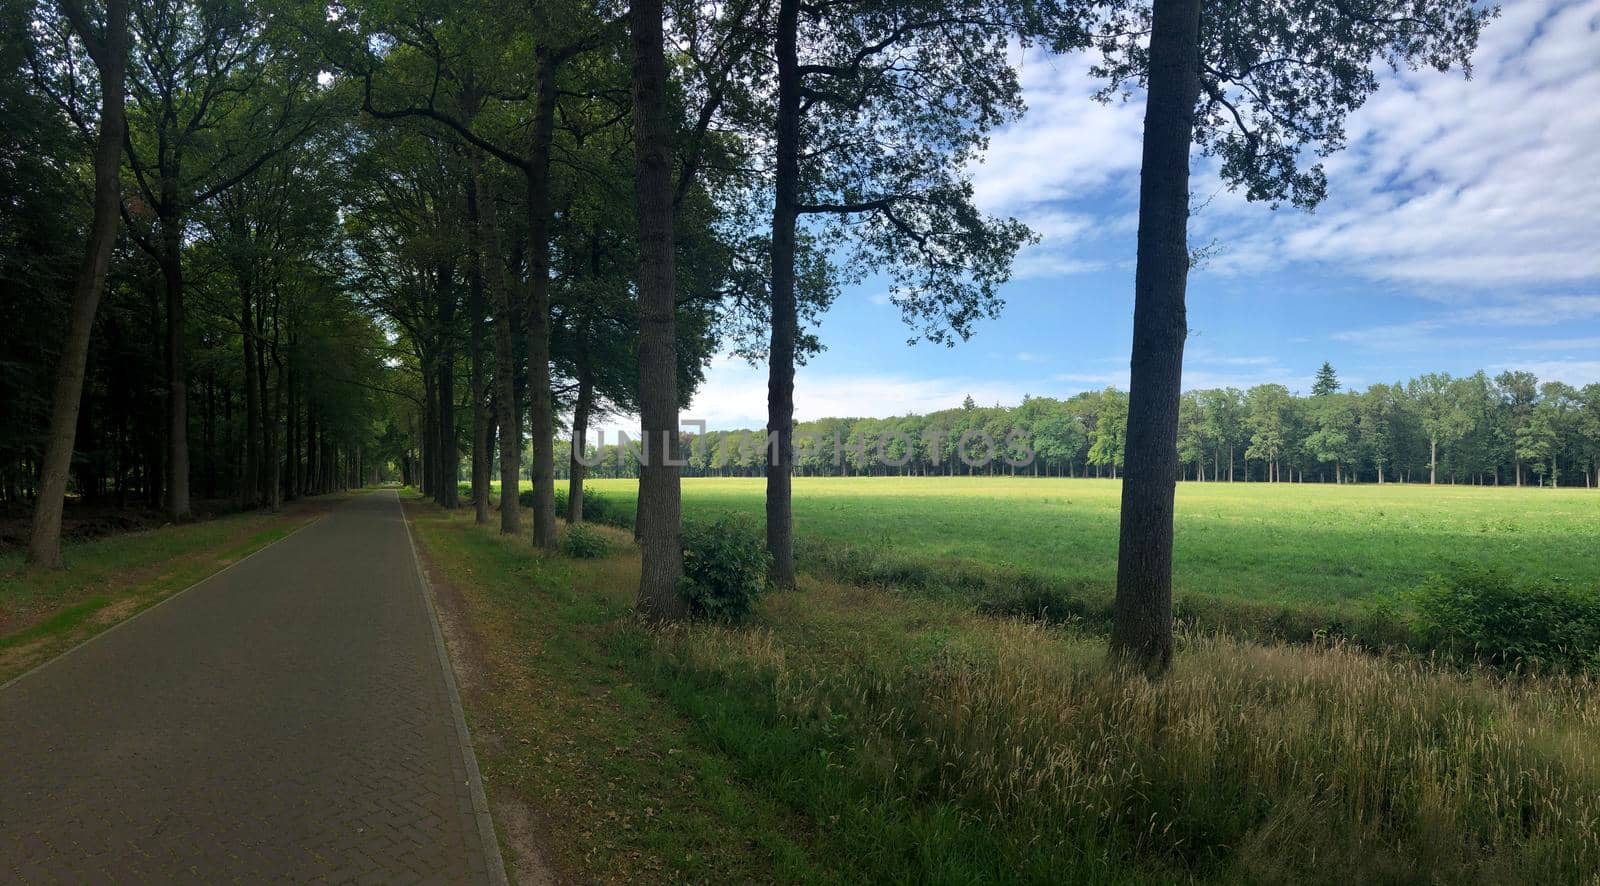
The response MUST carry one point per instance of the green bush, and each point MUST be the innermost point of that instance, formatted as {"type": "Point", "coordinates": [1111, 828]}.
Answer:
{"type": "Point", "coordinates": [725, 565]}
{"type": "Point", "coordinates": [582, 542]}
{"type": "Point", "coordinates": [596, 508]}
{"type": "Point", "coordinates": [1511, 623]}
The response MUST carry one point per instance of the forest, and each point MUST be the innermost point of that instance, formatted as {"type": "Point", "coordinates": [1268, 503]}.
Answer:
{"type": "Point", "coordinates": [1509, 429]}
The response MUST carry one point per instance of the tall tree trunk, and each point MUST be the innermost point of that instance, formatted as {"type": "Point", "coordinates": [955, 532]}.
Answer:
{"type": "Point", "coordinates": [658, 518]}
{"type": "Point", "coordinates": [249, 482]}
{"type": "Point", "coordinates": [1141, 632]}
{"type": "Point", "coordinates": [292, 434]}
{"type": "Point", "coordinates": [576, 469]}
{"type": "Point", "coordinates": [541, 404]}
{"type": "Point", "coordinates": [785, 320]}
{"type": "Point", "coordinates": [475, 383]}
{"type": "Point", "coordinates": [177, 499]}
{"type": "Point", "coordinates": [1433, 460]}
{"type": "Point", "coordinates": [110, 52]}
{"type": "Point", "coordinates": [505, 375]}
{"type": "Point", "coordinates": [449, 490]}
{"type": "Point", "coordinates": [274, 472]}
{"type": "Point", "coordinates": [430, 431]}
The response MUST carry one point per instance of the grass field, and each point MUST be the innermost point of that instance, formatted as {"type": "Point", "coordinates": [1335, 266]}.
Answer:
{"type": "Point", "coordinates": [849, 734]}
{"type": "Point", "coordinates": [1279, 543]}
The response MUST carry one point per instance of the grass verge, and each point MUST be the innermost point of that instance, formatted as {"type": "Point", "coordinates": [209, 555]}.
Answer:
{"type": "Point", "coordinates": [110, 579]}
{"type": "Point", "coordinates": [849, 735]}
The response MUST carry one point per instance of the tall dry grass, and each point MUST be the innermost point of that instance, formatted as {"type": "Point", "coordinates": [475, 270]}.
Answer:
{"type": "Point", "coordinates": [1249, 762]}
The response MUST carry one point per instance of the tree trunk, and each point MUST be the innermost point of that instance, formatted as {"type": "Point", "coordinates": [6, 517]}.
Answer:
{"type": "Point", "coordinates": [274, 472]}
{"type": "Point", "coordinates": [658, 517]}
{"type": "Point", "coordinates": [449, 461]}
{"type": "Point", "coordinates": [1142, 612]}
{"type": "Point", "coordinates": [1433, 460]}
{"type": "Point", "coordinates": [249, 480]}
{"type": "Point", "coordinates": [505, 375]}
{"type": "Point", "coordinates": [110, 56]}
{"type": "Point", "coordinates": [430, 433]}
{"type": "Point", "coordinates": [580, 433]}
{"type": "Point", "coordinates": [176, 384]}
{"type": "Point", "coordinates": [475, 381]}
{"type": "Point", "coordinates": [785, 321]}
{"type": "Point", "coordinates": [541, 405]}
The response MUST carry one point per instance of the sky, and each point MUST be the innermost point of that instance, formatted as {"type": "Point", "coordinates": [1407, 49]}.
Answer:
{"type": "Point", "coordinates": [1461, 232]}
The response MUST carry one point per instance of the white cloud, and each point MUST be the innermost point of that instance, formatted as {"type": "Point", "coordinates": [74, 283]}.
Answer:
{"type": "Point", "coordinates": [1573, 372]}
{"type": "Point", "coordinates": [1472, 185]}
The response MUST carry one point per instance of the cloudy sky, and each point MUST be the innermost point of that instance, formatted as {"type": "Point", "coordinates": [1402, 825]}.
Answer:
{"type": "Point", "coordinates": [1462, 231]}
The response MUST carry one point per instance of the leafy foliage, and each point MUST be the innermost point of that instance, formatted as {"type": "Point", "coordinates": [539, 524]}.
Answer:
{"type": "Point", "coordinates": [582, 542]}
{"type": "Point", "coordinates": [1511, 622]}
{"type": "Point", "coordinates": [724, 568]}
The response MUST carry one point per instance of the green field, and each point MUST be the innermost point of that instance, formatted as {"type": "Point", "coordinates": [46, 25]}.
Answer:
{"type": "Point", "coordinates": [1278, 543]}
{"type": "Point", "coordinates": [858, 734]}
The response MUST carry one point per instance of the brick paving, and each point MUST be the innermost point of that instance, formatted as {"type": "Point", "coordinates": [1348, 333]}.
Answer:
{"type": "Point", "coordinates": [288, 719]}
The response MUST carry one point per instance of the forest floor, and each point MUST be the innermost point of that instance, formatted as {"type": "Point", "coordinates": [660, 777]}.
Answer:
{"type": "Point", "coordinates": [110, 578]}
{"type": "Point", "coordinates": [858, 734]}
{"type": "Point", "coordinates": [88, 520]}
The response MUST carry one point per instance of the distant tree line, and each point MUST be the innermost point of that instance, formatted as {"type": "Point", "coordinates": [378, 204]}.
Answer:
{"type": "Point", "coordinates": [1506, 430]}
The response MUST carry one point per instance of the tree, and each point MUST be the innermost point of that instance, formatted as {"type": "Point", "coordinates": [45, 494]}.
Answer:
{"type": "Point", "coordinates": [1254, 86]}
{"type": "Point", "coordinates": [1334, 435]}
{"type": "Point", "coordinates": [1443, 418]}
{"type": "Point", "coordinates": [215, 97]}
{"type": "Point", "coordinates": [1268, 414]}
{"type": "Point", "coordinates": [1518, 392]}
{"type": "Point", "coordinates": [1327, 381]}
{"type": "Point", "coordinates": [879, 106]}
{"type": "Point", "coordinates": [660, 505]}
{"type": "Point", "coordinates": [107, 45]}
{"type": "Point", "coordinates": [1108, 441]}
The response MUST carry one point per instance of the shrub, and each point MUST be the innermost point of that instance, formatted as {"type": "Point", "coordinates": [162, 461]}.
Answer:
{"type": "Point", "coordinates": [1511, 623]}
{"type": "Point", "coordinates": [596, 508]}
{"type": "Point", "coordinates": [724, 568]}
{"type": "Point", "coordinates": [582, 542]}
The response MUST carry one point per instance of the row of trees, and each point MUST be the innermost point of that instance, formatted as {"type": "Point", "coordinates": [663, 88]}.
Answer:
{"type": "Point", "coordinates": [1508, 430]}
{"type": "Point", "coordinates": [483, 213]}
{"type": "Point", "coordinates": [202, 345]}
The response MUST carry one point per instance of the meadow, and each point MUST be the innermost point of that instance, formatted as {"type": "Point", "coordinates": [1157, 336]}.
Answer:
{"type": "Point", "coordinates": [1279, 562]}
{"type": "Point", "coordinates": [851, 733]}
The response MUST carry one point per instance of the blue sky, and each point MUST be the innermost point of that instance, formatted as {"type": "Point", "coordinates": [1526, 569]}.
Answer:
{"type": "Point", "coordinates": [1462, 231]}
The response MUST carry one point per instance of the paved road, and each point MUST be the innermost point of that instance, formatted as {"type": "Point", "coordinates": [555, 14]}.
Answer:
{"type": "Point", "coordinates": [289, 718]}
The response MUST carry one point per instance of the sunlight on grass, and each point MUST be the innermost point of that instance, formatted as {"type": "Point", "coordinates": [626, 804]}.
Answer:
{"type": "Point", "coordinates": [898, 738]}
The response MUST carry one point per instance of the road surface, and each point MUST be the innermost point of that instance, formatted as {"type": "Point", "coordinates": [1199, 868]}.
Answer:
{"type": "Point", "coordinates": [292, 717]}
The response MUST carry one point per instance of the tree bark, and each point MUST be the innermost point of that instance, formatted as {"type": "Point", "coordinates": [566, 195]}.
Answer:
{"type": "Point", "coordinates": [505, 374]}
{"type": "Point", "coordinates": [580, 433]}
{"type": "Point", "coordinates": [110, 53]}
{"type": "Point", "coordinates": [1141, 633]}
{"type": "Point", "coordinates": [448, 492]}
{"type": "Point", "coordinates": [658, 522]}
{"type": "Point", "coordinates": [274, 472]}
{"type": "Point", "coordinates": [249, 482]}
{"type": "Point", "coordinates": [475, 381]}
{"type": "Point", "coordinates": [541, 406]}
{"type": "Point", "coordinates": [785, 321]}
{"type": "Point", "coordinates": [177, 501]}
